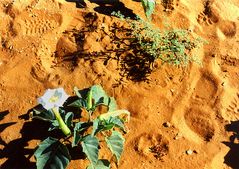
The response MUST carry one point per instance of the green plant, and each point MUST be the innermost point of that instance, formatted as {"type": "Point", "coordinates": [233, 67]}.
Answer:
{"type": "Point", "coordinates": [89, 133]}
{"type": "Point", "coordinates": [148, 6]}
{"type": "Point", "coordinates": [172, 46]}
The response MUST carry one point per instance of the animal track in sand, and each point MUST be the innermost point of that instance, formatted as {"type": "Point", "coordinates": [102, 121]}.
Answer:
{"type": "Point", "coordinates": [197, 124]}
{"type": "Point", "coordinates": [229, 60]}
{"type": "Point", "coordinates": [169, 5]}
{"type": "Point", "coordinates": [169, 75]}
{"type": "Point", "coordinates": [200, 122]}
{"type": "Point", "coordinates": [152, 145]}
{"type": "Point", "coordinates": [232, 110]}
{"type": "Point", "coordinates": [40, 74]}
{"type": "Point", "coordinates": [207, 16]}
{"type": "Point", "coordinates": [34, 3]}
{"type": "Point", "coordinates": [50, 4]}
{"type": "Point", "coordinates": [202, 18]}
{"type": "Point", "coordinates": [228, 28]}
{"type": "Point", "coordinates": [205, 90]}
{"type": "Point", "coordinates": [234, 106]}
{"type": "Point", "coordinates": [44, 52]}
{"type": "Point", "coordinates": [37, 22]}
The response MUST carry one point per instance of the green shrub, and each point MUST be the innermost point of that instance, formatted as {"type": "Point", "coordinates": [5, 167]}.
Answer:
{"type": "Point", "coordinates": [173, 46]}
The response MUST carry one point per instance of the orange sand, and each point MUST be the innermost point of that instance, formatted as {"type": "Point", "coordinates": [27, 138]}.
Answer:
{"type": "Point", "coordinates": [200, 103]}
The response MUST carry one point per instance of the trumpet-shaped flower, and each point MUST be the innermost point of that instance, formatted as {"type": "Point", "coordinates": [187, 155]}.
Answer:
{"type": "Point", "coordinates": [53, 98]}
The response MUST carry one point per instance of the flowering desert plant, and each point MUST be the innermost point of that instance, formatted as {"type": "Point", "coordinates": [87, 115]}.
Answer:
{"type": "Point", "coordinates": [53, 153]}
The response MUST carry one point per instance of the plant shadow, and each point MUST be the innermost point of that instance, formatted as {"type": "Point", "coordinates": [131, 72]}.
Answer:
{"type": "Point", "coordinates": [132, 62]}
{"type": "Point", "coordinates": [4, 125]}
{"type": "Point", "coordinates": [17, 152]}
{"type": "Point", "coordinates": [106, 7]}
{"type": "Point", "coordinates": [79, 3]}
{"type": "Point", "coordinates": [232, 158]}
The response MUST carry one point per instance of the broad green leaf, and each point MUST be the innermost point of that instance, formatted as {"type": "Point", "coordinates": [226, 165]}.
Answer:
{"type": "Point", "coordinates": [99, 95]}
{"type": "Point", "coordinates": [80, 103]}
{"type": "Point", "coordinates": [54, 125]}
{"type": "Point", "coordinates": [101, 125]}
{"type": "Point", "coordinates": [148, 6]}
{"type": "Point", "coordinates": [96, 127]}
{"type": "Point", "coordinates": [68, 119]}
{"type": "Point", "coordinates": [79, 127]}
{"type": "Point", "coordinates": [46, 115]}
{"type": "Point", "coordinates": [101, 164]}
{"type": "Point", "coordinates": [116, 121]}
{"type": "Point", "coordinates": [115, 114]}
{"type": "Point", "coordinates": [112, 104]}
{"type": "Point", "coordinates": [52, 154]}
{"type": "Point", "coordinates": [81, 93]}
{"type": "Point", "coordinates": [107, 124]}
{"type": "Point", "coordinates": [116, 144]}
{"type": "Point", "coordinates": [95, 93]}
{"type": "Point", "coordinates": [90, 148]}
{"type": "Point", "coordinates": [76, 139]}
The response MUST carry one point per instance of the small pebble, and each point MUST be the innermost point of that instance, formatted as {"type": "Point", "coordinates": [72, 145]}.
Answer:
{"type": "Point", "coordinates": [166, 124]}
{"type": "Point", "coordinates": [189, 152]}
{"type": "Point", "coordinates": [172, 91]}
{"type": "Point", "coordinates": [178, 136]}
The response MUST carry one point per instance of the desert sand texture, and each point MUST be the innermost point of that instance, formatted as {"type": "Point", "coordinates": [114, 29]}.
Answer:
{"type": "Point", "coordinates": [189, 115]}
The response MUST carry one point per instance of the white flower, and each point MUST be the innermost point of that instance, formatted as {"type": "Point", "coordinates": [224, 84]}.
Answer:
{"type": "Point", "coordinates": [53, 98]}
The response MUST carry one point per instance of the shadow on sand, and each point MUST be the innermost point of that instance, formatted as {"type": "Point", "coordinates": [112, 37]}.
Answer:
{"type": "Point", "coordinates": [17, 152]}
{"type": "Point", "coordinates": [106, 7]}
{"type": "Point", "coordinates": [232, 158]}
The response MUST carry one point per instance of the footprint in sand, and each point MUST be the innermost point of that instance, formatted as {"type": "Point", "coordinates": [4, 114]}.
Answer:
{"type": "Point", "coordinates": [48, 79]}
{"type": "Point", "coordinates": [204, 19]}
{"type": "Point", "coordinates": [196, 122]}
{"type": "Point", "coordinates": [207, 19]}
{"type": "Point", "coordinates": [45, 53]}
{"type": "Point", "coordinates": [208, 16]}
{"type": "Point", "coordinates": [168, 5]}
{"type": "Point", "coordinates": [36, 23]}
{"type": "Point", "coordinates": [38, 73]}
{"type": "Point", "coordinates": [228, 28]}
{"type": "Point", "coordinates": [234, 106]}
{"type": "Point", "coordinates": [169, 75]}
{"type": "Point", "coordinates": [232, 109]}
{"type": "Point", "coordinates": [205, 90]}
{"type": "Point", "coordinates": [229, 60]}
{"type": "Point", "coordinates": [152, 145]}
{"type": "Point", "coordinates": [205, 95]}
{"type": "Point", "coordinates": [200, 122]}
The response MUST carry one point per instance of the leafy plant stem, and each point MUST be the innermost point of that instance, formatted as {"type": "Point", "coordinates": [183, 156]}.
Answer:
{"type": "Point", "coordinates": [89, 103]}
{"type": "Point", "coordinates": [89, 100]}
{"type": "Point", "coordinates": [64, 128]}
